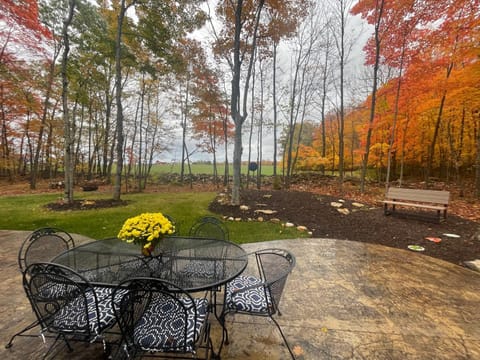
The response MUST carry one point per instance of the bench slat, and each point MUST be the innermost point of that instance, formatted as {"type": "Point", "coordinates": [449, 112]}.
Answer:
{"type": "Point", "coordinates": [432, 196]}
{"type": "Point", "coordinates": [433, 207]}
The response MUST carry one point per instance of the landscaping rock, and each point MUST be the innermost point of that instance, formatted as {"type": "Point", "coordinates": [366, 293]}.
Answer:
{"type": "Point", "coordinates": [356, 204]}
{"type": "Point", "coordinates": [266, 212]}
{"type": "Point", "coordinates": [474, 264]}
{"type": "Point", "coordinates": [344, 211]}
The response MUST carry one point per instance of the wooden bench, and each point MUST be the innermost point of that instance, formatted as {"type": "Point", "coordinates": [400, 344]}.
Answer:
{"type": "Point", "coordinates": [425, 199]}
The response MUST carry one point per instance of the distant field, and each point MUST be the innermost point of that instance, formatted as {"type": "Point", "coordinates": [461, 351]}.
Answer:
{"type": "Point", "coordinates": [203, 168]}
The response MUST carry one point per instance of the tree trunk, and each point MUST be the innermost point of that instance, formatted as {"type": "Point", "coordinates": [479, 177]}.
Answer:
{"type": "Point", "coordinates": [260, 128]}
{"type": "Point", "coordinates": [275, 114]}
{"type": "Point", "coordinates": [184, 128]}
{"type": "Point", "coordinates": [431, 149]}
{"type": "Point", "coordinates": [323, 107]}
{"type": "Point", "coordinates": [140, 142]}
{"type": "Point", "coordinates": [341, 125]}
{"type": "Point", "coordinates": [68, 154]}
{"type": "Point", "coordinates": [239, 118]}
{"type": "Point", "coordinates": [395, 117]}
{"type": "Point", "coordinates": [477, 162]}
{"type": "Point", "coordinates": [226, 174]}
{"type": "Point", "coordinates": [250, 133]}
{"type": "Point", "coordinates": [5, 151]}
{"type": "Point", "coordinates": [118, 96]}
{"type": "Point", "coordinates": [374, 95]}
{"type": "Point", "coordinates": [51, 75]}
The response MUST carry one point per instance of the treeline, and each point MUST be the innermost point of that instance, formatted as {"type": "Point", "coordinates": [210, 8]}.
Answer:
{"type": "Point", "coordinates": [88, 90]}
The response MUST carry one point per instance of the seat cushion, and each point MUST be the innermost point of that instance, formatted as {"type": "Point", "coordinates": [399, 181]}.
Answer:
{"type": "Point", "coordinates": [73, 316]}
{"type": "Point", "coordinates": [242, 294]}
{"type": "Point", "coordinates": [162, 326]}
{"type": "Point", "coordinates": [205, 269]}
{"type": "Point", "coordinates": [52, 290]}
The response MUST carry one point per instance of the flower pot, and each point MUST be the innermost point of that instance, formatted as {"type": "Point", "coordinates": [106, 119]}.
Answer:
{"type": "Point", "coordinates": [148, 251]}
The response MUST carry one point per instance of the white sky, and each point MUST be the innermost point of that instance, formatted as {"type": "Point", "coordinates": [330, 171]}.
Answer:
{"type": "Point", "coordinates": [354, 68]}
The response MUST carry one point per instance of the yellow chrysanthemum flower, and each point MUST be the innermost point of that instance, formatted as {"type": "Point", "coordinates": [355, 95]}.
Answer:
{"type": "Point", "coordinates": [146, 229]}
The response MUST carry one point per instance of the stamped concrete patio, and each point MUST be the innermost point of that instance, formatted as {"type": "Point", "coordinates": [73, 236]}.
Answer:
{"type": "Point", "coordinates": [344, 300]}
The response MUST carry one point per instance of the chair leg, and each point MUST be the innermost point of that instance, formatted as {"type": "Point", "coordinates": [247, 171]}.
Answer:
{"type": "Point", "coordinates": [221, 320]}
{"type": "Point", "coordinates": [284, 338]}
{"type": "Point", "coordinates": [20, 333]}
{"type": "Point", "coordinates": [210, 350]}
{"type": "Point", "coordinates": [52, 347]}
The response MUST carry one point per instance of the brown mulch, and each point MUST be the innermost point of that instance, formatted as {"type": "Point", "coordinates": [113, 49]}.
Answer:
{"type": "Point", "coordinates": [365, 224]}
{"type": "Point", "coordinates": [81, 204]}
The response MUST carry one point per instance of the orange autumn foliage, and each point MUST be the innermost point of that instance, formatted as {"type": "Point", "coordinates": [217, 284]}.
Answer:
{"type": "Point", "coordinates": [439, 97]}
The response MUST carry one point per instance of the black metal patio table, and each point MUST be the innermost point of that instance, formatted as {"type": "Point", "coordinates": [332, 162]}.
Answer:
{"type": "Point", "coordinates": [194, 264]}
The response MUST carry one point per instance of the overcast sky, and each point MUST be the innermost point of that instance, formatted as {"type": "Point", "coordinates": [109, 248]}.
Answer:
{"type": "Point", "coordinates": [358, 32]}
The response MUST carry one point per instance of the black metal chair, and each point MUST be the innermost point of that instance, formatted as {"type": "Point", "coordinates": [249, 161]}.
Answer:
{"type": "Point", "coordinates": [41, 245]}
{"type": "Point", "coordinates": [67, 306]}
{"type": "Point", "coordinates": [259, 295]}
{"type": "Point", "coordinates": [157, 318]}
{"type": "Point", "coordinates": [209, 227]}
{"type": "Point", "coordinates": [174, 223]}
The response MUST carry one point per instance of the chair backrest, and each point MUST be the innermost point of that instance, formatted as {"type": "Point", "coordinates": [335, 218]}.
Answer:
{"type": "Point", "coordinates": [154, 315]}
{"type": "Point", "coordinates": [61, 298]}
{"type": "Point", "coordinates": [209, 227]}
{"type": "Point", "coordinates": [275, 265]}
{"type": "Point", "coordinates": [174, 222]}
{"type": "Point", "coordinates": [42, 245]}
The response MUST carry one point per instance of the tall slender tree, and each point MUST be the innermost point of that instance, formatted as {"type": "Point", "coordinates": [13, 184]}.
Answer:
{"type": "Point", "coordinates": [378, 19]}
{"type": "Point", "coordinates": [339, 24]}
{"type": "Point", "coordinates": [246, 16]}
{"type": "Point", "coordinates": [67, 120]}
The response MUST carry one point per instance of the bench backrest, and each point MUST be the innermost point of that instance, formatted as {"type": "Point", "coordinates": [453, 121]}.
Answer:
{"type": "Point", "coordinates": [431, 196]}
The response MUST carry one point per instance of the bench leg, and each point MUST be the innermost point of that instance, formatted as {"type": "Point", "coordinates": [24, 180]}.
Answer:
{"type": "Point", "coordinates": [385, 210]}
{"type": "Point", "coordinates": [442, 215]}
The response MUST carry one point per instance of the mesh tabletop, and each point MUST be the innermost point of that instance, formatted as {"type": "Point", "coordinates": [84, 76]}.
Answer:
{"type": "Point", "coordinates": [190, 263]}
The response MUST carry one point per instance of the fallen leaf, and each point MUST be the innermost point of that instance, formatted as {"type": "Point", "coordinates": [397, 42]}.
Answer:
{"type": "Point", "coordinates": [433, 239]}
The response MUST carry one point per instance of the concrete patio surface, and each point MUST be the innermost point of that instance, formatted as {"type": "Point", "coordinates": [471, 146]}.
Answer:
{"type": "Point", "coordinates": [344, 300]}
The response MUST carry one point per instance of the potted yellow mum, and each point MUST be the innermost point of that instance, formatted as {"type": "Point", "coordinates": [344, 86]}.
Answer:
{"type": "Point", "coordinates": [146, 229]}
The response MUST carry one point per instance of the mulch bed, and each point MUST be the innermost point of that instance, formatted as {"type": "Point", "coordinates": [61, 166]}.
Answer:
{"type": "Point", "coordinates": [80, 204]}
{"type": "Point", "coordinates": [365, 224]}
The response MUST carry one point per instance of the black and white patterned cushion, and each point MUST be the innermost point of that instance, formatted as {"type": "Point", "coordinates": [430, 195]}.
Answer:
{"type": "Point", "coordinates": [250, 300]}
{"type": "Point", "coordinates": [95, 274]}
{"type": "Point", "coordinates": [162, 326]}
{"type": "Point", "coordinates": [73, 317]}
{"type": "Point", "coordinates": [52, 290]}
{"type": "Point", "coordinates": [137, 267]}
{"type": "Point", "coordinates": [205, 269]}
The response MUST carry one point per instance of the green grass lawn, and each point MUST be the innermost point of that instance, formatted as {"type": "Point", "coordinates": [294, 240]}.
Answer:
{"type": "Point", "coordinates": [28, 212]}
